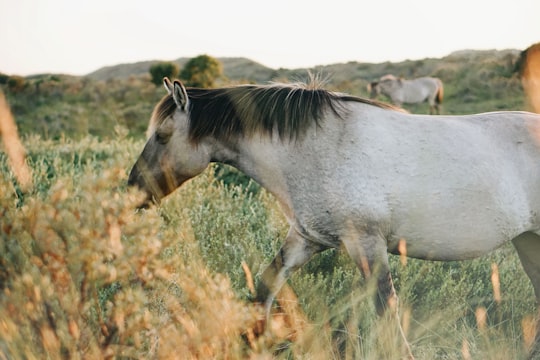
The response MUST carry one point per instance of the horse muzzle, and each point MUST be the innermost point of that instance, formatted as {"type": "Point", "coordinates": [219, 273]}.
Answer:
{"type": "Point", "coordinates": [136, 179]}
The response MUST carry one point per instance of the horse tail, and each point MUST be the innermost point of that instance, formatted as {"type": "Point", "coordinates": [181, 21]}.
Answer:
{"type": "Point", "coordinates": [440, 93]}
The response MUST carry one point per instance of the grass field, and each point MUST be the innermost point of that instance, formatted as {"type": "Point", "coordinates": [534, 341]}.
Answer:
{"type": "Point", "coordinates": [83, 275]}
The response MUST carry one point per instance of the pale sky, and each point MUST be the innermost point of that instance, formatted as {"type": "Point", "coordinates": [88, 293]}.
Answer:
{"type": "Point", "coordinates": [80, 36]}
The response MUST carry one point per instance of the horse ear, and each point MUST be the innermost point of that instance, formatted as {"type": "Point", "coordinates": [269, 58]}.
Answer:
{"type": "Point", "coordinates": [180, 95]}
{"type": "Point", "coordinates": [168, 85]}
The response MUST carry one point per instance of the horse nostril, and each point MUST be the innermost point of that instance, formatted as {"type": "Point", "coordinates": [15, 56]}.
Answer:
{"type": "Point", "coordinates": [133, 175]}
{"type": "Point", "coordinates": [131, 181]}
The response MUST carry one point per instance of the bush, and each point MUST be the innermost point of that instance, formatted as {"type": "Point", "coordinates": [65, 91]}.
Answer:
{"type": "Point", "coordinates": [201, 71]}
{"type": "Point", "coordinates": [83, 275]}
{"type": "Point", "coordinates": [3, 79]}
{"type": "Point", "coordinates": [16, 83]}
{"type": "Point", "coordinates": [163, 69]}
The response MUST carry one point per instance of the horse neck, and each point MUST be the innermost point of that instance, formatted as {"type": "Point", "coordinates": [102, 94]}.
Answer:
{"type": "Point", "coordinates": [282, 165]}
{"type": "Point", "coordinates": [260, 158]}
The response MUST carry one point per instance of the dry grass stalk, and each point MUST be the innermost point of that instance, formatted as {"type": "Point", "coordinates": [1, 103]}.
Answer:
{"type": "Point", "coordinates": [14, 148]}
{"type": "Point", "coordinates": [249, 278]}
{"type": "Point", "coordinates": [528, 325]}
{"type": "Point", "coordinates": [465, 352]}
{"type": "Point", "coordinates": [495, 281]}
{"type": "Point", "coordinates": [402, 248]}
{"type": "Point", "coordinates": [406, 314]}
{"type": "Point", "coordinates": [292, 322]}
{"type": "Point", "coordinates": [481, 318]}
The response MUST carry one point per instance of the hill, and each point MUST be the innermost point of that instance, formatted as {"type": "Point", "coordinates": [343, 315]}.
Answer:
{"type": "Point", "coordinates": [243, 69]}
{"type": "Point", "coordinates": [235, 69]}
{"type": "Point", "coordinates": [121, 96]}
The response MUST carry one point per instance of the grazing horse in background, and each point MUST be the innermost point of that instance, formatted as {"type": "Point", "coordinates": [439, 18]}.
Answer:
{"type": "Point", "coordinates": [355, 173]}
{"type": "Point", "coordinates": [410, 91]}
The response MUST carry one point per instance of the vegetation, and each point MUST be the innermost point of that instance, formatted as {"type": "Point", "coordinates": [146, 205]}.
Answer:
{"type": "Point", "coordinates": [16, 83]}
{"type": "Point", "coordinates": [84, 275]}
{"type": "Point", "coordinates": [59, 105]}
{"type": "Point", "coordinates": [169, 280]}
{"type": "Point", "coordinates": [3, 78]}
{"type": "Point", "coordinates": [163, 69]}
{"type": "Point", "coordinates": [201, 71]}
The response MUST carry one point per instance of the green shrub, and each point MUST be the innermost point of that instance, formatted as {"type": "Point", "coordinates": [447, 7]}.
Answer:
{"type": "Point", "coordinates": [163, 69]}
{"type": "Point", "coordinates": [201, 71]}
{"type": "Point", "coordinates": [16, 83]}
{"type": "Point", "coordinates": [3, 79]}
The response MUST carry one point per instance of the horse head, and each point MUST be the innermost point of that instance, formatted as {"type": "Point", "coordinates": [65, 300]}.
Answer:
{"type": "Point", "coordinates": [374, 89]}
{"type": "Point", "coordinates": [169, 158]}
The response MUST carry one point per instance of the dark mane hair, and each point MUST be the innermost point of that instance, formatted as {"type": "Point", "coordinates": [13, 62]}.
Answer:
{"type": "Point", "coordinates": [250, 109]}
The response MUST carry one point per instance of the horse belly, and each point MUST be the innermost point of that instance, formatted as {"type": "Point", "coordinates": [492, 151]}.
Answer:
{"type": "Point", "coordinates": [459, 232]}
{"type": "Point", "coordinates": [446, 243]}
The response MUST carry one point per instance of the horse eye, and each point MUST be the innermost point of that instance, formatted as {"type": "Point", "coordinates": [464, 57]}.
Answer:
{"type": "Point", "coordinates": [163, 137]}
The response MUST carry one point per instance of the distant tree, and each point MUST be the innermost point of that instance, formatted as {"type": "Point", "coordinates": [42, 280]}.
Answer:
{"type": "Point", "coordinates": [201, 71]}
{"type": "Point", "coordinates": [16, 83]}
{"type": "Point", "coordinates": [3, 78]}
{"type": "Point", "coordinates": [163, 69]}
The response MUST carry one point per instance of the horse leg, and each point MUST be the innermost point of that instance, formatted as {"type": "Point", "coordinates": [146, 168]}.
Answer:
{"type": "Point", "coordinates": [528, 249]}
{"type": "Point", "coordinates": [433, 108]}
{"type": "Point", "coordinates": [295, 252]}
{"type": "Point", "coordinates": [369, 252]}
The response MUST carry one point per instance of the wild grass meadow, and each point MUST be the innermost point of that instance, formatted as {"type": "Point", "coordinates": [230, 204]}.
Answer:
{"type": "Point", "coordinates": [83, 275]}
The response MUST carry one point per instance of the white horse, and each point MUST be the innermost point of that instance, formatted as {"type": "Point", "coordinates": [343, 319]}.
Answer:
{"type": "Point", "coordinates": [410, 91]}
{"type": "Point", "coordinates": [355, 173]}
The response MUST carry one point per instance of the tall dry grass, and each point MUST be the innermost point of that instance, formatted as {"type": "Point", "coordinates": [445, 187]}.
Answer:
{"type": "Point", "coordinates": [82, 275]}
{"type": "Point", "coordinates": [13, 146]}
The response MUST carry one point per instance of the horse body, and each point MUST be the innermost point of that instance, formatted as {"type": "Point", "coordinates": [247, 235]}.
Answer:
{"type": "Point", "coordinates": [413, 91]}
{"type": "Point", "coordinates": [446, 205]}
{"type": "Point", "coordinates": [368, 178]}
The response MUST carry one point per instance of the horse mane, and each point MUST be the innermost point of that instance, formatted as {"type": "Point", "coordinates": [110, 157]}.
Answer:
{"type": "Point", "coordinates": [244, 110]}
